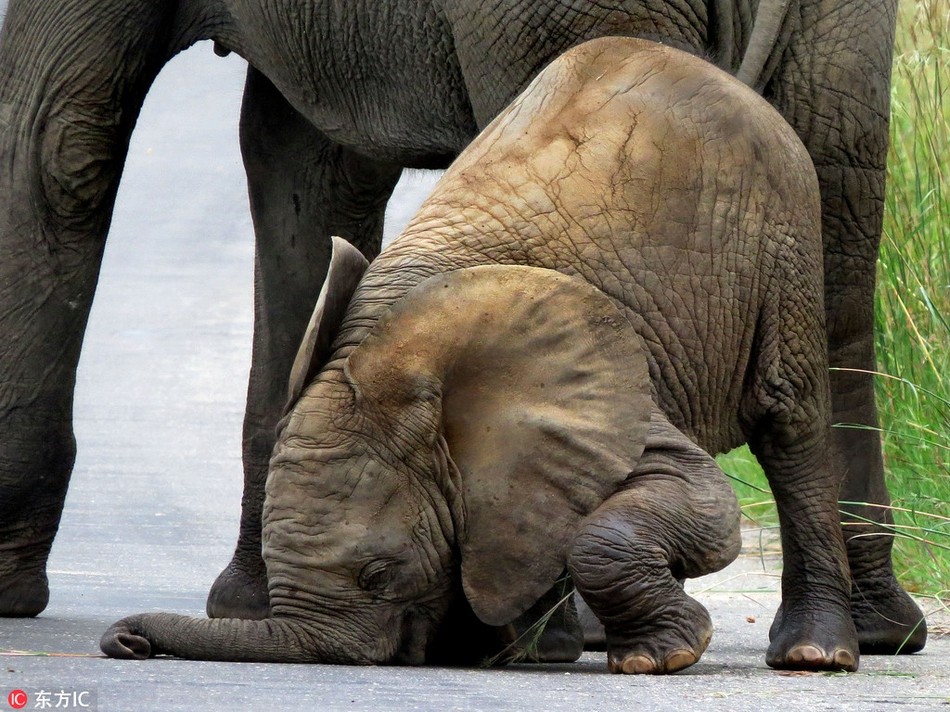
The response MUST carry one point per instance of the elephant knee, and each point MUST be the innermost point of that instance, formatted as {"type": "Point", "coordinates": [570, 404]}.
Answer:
{"type": "Point", "coordinates": [607, 552]}
{"type": "Point", "coordinates": [77, 183]}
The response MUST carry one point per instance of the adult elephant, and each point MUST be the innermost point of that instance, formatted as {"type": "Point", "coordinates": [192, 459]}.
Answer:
{"type": "Point", "coordinates": [339, 97]}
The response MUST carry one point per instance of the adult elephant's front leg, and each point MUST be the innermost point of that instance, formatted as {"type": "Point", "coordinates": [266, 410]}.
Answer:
{"type": "Point", "coordinates": [833, 87]}
{"type": "Point", "coordinates": [72, 80]}
{"type": "Point", "coordinates": [303, 189]}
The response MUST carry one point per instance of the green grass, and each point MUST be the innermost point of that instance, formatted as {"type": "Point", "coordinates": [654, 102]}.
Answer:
{"type": "Point", "coordinates": [913, 310]}
{"type": "Point", "coordinates": [913, 299]}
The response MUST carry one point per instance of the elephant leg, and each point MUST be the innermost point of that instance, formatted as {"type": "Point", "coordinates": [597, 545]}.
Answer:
{"type": "Point", "coordinates": [887, 619]}
{"type": "Point", "coordinates": [785, 414]}
{"type": "Point", "coordinates": [676, 518]}
{"type": "Point", "coordinates": [849, 45]}
{"type": "Point", "coordinates": [813, 627]}
{"type": "Point", "coordinates": [303, 189]}
{"type": "Point", "coordinates": [72, 80]}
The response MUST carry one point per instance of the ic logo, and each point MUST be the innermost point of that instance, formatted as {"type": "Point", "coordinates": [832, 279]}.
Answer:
{"type": "Point", "coordinates": [17, 699]}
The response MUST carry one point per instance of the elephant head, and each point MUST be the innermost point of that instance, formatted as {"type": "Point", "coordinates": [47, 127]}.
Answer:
{"type": "Point", "coordinates": [448, 455]}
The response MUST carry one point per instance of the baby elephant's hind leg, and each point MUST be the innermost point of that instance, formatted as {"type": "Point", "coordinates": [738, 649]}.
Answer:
{"type": "Point", "coordinates": [676, 518]}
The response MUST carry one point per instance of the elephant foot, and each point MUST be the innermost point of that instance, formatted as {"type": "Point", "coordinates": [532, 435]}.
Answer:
{"type": "Point", "coordinates": [554, 644]}
{"type": "Point", "coordinates": [23, 595]}
{"type": "Point", "coordinates": [548, 632]}
{"type": "Point", "coordinates": [239, 594]}
{"type": "Point", "coordinates": [813, 640]}
{"type": "Point", "coordinates": [886, 618]}
{"type": "Point", "coordinates": [662, 646]}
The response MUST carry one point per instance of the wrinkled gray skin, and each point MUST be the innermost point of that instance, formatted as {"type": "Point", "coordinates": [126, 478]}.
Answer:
{"type": "Point", "coordinates": [622, 274]}
{"type": "Point", "coordinates": [339, 97]}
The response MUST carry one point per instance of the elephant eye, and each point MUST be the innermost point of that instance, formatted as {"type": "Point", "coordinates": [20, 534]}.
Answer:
{"type": "Point", "coordinates": [375, 576]}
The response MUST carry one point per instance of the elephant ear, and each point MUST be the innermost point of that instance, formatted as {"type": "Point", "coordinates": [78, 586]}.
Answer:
{"type": "Point", "coordinates": [545, 405]}
{"type": "Point", "coordinates": [347, 266]}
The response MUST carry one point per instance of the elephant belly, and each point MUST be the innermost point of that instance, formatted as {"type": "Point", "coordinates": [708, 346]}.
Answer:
{"type": "Point", "coordinates": [377, 102]}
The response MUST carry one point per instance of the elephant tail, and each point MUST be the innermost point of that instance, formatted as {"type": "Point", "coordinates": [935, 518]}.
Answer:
{"type": "Point", "coordinates": [765, 33]}
{"type": "Point", "coordinates": [277, 640]}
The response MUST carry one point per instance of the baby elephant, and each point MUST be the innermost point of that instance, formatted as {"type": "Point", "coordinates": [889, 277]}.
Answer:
{"type": "Point", "coordinates": [622, 274]}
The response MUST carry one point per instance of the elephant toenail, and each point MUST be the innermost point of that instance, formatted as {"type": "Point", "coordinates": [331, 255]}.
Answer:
{"type": "Point", "coordinates": [807, 654]}
{"type": "Point", "coordinates": [679, 659]}
{"type": "Point", "coordinates": [845, 660]}
{"type": "Point", "coordinates": [638, 665]}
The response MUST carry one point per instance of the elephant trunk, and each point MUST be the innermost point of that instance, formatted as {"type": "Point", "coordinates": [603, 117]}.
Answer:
{"type": "Point", "coordinates": [272, 640]}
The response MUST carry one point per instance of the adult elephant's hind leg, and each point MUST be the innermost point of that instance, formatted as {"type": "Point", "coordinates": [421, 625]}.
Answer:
{"type": "Point", "coordinates": [303, 189]}
{"type": "Point", "coordinates": [677, 518]}
{"type": "Point", "coordinates": [839, 106]}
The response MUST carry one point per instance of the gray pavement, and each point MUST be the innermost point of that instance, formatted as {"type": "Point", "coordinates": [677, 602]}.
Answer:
{"type": "Point", "coordinates": [152, 511]}
{"type": "Point", "coordinates": [102, 573]}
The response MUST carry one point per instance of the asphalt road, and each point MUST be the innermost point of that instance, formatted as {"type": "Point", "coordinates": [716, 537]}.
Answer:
{"type": "Point", "coordinates": [152, 510]}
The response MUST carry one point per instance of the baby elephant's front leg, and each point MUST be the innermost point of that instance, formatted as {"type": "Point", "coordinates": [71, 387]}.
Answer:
{"type": "Point", "coordinates": [676, 518]}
